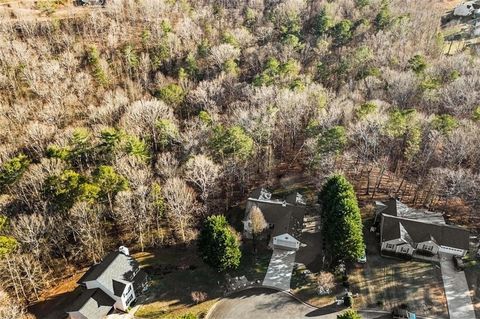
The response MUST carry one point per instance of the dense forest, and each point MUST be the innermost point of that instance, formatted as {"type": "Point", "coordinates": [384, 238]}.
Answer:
{"type": "Point", "coordinates": [134, 122]}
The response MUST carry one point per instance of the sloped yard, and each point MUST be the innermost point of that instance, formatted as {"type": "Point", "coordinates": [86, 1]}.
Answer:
{"type": "Point", "coordinates": [176, 274]}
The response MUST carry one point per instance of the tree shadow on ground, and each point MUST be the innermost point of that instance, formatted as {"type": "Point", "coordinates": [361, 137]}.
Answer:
{"type": "Point", "coordinates": [54, 306]}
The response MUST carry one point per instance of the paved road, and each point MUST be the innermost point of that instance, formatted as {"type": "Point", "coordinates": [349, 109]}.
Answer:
{"type": "Point", "coordinates": [265, 304]}
{"type": "Point", "coordinates": [456, 289]}
{"type": "Point", "coordinates": [279, 271]}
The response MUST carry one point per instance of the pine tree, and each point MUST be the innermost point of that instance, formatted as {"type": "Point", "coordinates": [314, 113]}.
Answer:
{"type": "Point", "coordinates": [342, 222]}
{"type": "Point", "coordinates": [349, 314]}
{"type": "Point", "coordinates": [218, 244]}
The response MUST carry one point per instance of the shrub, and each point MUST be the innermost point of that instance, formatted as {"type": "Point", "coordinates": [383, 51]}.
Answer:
{"type": "Point", "coordinates": [417, 63]}
{"type": "Point", "coordinates": [444, 123]}
{"type": "Point", "coordinates": [365, 109]}
{"type": "Point", "coordinates": [13, 169]}
{"type": "Point", "coordinates": [349, 314]}
{"type": "Point", "coordinates": [198, 296]}
{"type": "Point", "coordinates": [342, 32]}
{"type": "Point", "coordinates": [383, 18]}
{"type": "Point", "coordinates": [99, 74]}
{"type": "Point", "coordinates": [172, 94]}
{"type": "Point", "coordinates": [476, 114]}
{"type": "Point", "coordinates": [323, 23]}
{"type": "Point", "coordinates": [348, 302]}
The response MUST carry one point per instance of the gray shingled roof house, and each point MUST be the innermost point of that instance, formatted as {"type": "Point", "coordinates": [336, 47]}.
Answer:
{"type": "Point", "coordinates": [114, 283]}
{"type": "Point", "coordinates": [284, 216]}
{"type": "Point", "coordinates": [417, 232]}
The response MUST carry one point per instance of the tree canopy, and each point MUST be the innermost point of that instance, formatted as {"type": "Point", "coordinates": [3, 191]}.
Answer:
{"type": "Point", "coordinates": [341, 219]}
{"type": "Point", "coordinates": [218, 244]}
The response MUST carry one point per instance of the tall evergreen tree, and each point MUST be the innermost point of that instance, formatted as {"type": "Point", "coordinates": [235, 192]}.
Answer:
{"type": "Point", "coordinates": [341, 219]}
{"type": "Point", "coordinates": [349, 314]}
{"type": "Point", "coordinates": [218, 244]}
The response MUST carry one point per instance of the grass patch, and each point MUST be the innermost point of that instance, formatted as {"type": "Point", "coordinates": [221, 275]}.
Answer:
{"type": "Point", "coordinates": [174, 274]}
{"type": "Point", "coordinates": [251, 266]}
{"type": "Point", "coordinates": [177, 272]}
{"type": "Point", "coordinates": [199, 311]}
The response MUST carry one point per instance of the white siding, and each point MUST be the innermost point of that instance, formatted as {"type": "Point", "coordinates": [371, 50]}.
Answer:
{"type": "Point", "coordinates": [391, 245]}
{"type": "Point", "coordinates": [453, 251]}
{"type": "Point", "coordinates": [406, 249]}
{"type": "Point", "coordinates": [428, 246]}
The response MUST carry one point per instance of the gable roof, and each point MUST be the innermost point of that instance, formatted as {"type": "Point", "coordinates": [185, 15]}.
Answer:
{"type": "Point", "coordinates": [287, 237]}
{"type": "Point", "coordinates": [394, 207]}
{"type": "Point", "coordinates": [405, 235]}
{"type": "Point", "coordinates": [93, 304]}
{"type": "Point", "coordinates": [114, 272]}
{"type": "Point", "coordinates": [419, 231]}
{"type": "Point", "coordinates": [287, 217]}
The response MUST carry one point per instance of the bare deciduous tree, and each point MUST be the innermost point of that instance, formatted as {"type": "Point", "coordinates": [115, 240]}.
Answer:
{"type": "Point", "coordinates": [259, 224]}
{"type": "Point", "coordinates": [86, 226]}
{"type": "Point", "coordinates": [203, 172]}
{"type": "Point", "coordinates": [182, 206]}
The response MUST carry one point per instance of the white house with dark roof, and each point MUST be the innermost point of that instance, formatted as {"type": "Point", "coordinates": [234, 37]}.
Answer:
{"type": "Point", "coordinates": [114, 283]}
{"type": "Point", "coordinates": [408, 231]}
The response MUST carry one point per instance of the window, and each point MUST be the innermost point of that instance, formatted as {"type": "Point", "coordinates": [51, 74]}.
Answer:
{"type": "Point", "coordinates": [427, 247]}
{"type": "Point", "coordinates": [128, 290]}
{"type": "Point", "coordinates": [404, 250]}
{"type": "Point", "coordinates": [129, 300]}
{"type": "Point", "coordinates": [390, 246]}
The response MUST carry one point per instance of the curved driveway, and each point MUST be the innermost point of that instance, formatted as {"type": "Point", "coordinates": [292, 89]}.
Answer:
{"type": "Point", "coordinates": [260, 303]}
{"type": "Point", "coordinates": [265, 303]}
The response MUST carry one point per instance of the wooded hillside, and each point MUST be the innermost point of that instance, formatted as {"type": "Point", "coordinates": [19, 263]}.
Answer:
{"type": "Point", "coordinates": [132, 123]}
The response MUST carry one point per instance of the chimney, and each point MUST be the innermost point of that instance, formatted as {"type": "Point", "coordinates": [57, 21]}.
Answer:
{"type": "Point", "coordinates": [124, 250]}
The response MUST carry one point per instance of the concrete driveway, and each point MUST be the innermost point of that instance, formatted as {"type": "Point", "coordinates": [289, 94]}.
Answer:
{"type": "Point", "coordinates": [456, 289]}
{"type": "Point", "coordinates": [279, 272]}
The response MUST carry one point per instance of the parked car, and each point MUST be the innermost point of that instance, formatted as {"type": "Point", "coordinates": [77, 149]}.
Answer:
{"type": "Point", "coordinates": [458, 262]}
{"type": "Point", "coordinates": [401, 313]}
